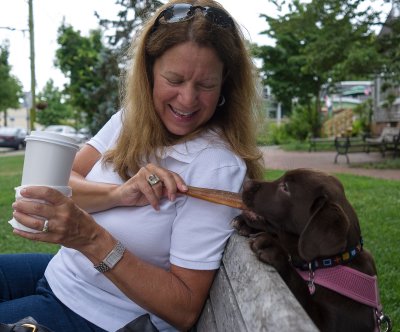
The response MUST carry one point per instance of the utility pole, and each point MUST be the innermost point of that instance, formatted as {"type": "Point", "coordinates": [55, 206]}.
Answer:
{"type": "Point", "coordinates": [32, 58]}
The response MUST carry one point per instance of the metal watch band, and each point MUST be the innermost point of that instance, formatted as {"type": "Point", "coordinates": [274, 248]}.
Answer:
{"type": "Point", "coordinates": [113, 257]}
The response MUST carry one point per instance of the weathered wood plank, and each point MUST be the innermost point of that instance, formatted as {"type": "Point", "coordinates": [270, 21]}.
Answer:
{"type": "Point", "coordinates": [206, 322]}
{"type": "Point", "coordinates": [250, 296]}
{"type": "Point", "coordinates": [264, 300]}
{"type": "Point", "coordinates": [227, 313]}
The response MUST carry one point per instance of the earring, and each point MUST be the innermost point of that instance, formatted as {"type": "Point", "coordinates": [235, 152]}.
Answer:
{"type": "Point", "coordinates": [221, 100]}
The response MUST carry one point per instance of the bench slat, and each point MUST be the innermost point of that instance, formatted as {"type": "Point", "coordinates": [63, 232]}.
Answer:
{"type": "Point", "coordinates": [226, 309]}
{"type": "Point", "coordinates": [248, 295]}
{"type": "Point", "coordinates": [207, 319]}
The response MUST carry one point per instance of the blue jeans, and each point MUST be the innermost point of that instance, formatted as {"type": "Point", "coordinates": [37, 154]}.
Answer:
{"type": "Point", "coordinates": [24, 292]}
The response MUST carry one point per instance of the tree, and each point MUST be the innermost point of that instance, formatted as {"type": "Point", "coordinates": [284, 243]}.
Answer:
{"type": "Point", "coordinates": [93, 72]}
{"type": "Point", "coordinates": [317, 42]}
{"type": "Point", "coordinates": [10, 86]}
{"type": "Point", "coordinates": [93, 68]}
{"type": "Point", "coordinates": [52, 108]}
{"type": "Point", "coordinates": [389, 49]}
{"type": "Point", "coordinates": [130, 18]}
{"type": "Point", "coordinates": [77, 57]}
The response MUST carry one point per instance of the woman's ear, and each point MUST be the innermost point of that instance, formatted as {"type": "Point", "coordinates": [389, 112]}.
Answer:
{"type": "Point", "coordinates": [325, 233]}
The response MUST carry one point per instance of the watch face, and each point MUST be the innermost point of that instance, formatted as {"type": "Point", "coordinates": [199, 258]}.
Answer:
{"type": "Point", "coordinates": [113, 259]}
{"type": "Point", "coordinates": [115, 255]}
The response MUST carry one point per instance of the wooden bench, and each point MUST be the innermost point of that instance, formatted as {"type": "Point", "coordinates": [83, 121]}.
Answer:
{"type": "Point", "coordinates": [345, 145]}
{"type": "Point", "coordinates": [322, 141]}
{"type": "Point", "coordinates": [385, 141]}
{"type": "Point", "coordinates": [393, 146]}
{"type": "Point", "coordinates": [248, 295]}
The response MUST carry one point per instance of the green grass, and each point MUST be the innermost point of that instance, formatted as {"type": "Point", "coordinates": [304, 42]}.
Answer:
{"type": "Point", "coordinates": [388, 163]}
{"type": "Point", "coordinates": [305, 146]}
{"type": "Point", "coordinates": [10, 177]}
{"type": "Point", "coordinates": [376, 202]}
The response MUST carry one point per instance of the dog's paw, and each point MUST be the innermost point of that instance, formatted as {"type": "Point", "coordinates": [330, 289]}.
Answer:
{"type": "Point", "coordinates": [239, 223]}
{"type": "Point", "coordinates": [267, 250]}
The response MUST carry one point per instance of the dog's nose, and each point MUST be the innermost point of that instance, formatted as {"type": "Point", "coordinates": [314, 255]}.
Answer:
{"type": "Point", "coordinates": [250, 188]}
{"type": "Point", "coordinates": [247, 185]}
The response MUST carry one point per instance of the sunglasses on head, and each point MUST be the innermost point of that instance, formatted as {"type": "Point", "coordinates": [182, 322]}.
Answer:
{"type": "Point", "coordinates": [184, 11]}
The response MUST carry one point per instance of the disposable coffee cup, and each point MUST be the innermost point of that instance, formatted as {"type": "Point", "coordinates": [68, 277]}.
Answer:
{"type": "Point", "coordinates": [48, 162]}
{"type": "Point", "coordinates": [48, 159]}
{"type": "Point", "coordinates": [65, 190]}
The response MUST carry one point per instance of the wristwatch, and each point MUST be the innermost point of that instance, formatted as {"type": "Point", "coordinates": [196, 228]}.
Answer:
{"type": "Point", "coordinates": [111, 259]}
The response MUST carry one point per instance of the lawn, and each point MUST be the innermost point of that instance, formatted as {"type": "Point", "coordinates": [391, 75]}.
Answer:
{"type": "Point", "coordinates": [376, 202]}
{"type": "Point", "coordinates": [10, 177]}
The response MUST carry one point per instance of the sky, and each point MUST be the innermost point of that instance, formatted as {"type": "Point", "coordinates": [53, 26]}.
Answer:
{"type": "Point", "coordinates": [48, 16]}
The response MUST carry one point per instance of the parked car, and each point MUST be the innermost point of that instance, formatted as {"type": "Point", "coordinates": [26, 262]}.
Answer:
{"type": "Point", "coordinates": [85, 132]}
{"type": "Point", "coordinates": [12, 137]}
{"type": "Point", "coordinates": [66, 131]}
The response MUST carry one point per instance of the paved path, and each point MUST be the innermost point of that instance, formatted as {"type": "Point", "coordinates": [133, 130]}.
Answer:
{"type": "Point", "coordinates": [275, 158]}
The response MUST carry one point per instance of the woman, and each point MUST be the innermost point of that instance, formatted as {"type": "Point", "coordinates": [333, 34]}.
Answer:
{"type": "Point", "coordinates": [187, 119]}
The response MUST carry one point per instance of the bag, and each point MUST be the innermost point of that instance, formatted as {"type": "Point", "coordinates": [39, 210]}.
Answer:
{"type": "Point", "coordinates": [140, 324]}
{"type": "Point", "coordinates": [27, 324]}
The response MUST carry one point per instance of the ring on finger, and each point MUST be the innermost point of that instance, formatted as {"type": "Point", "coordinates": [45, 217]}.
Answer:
{"type": "Point", "coordinates": [45, 226]}
{"type": "Point", "coordinates": [153, 179]}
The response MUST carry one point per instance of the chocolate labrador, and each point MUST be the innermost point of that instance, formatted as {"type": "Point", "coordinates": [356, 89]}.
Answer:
{"type": "Point", "coordinates": [304, 226]}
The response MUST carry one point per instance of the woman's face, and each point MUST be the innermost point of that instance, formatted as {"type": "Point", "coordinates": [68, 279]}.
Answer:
{"type": "Point", "coordinates": [187, 85]}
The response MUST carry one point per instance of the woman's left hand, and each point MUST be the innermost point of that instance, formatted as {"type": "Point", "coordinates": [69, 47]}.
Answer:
{"type": "Point", "coordinates": [67, 224]}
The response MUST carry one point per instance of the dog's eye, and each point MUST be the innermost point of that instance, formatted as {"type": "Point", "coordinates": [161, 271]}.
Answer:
{"type": "Point", "coordinates": [284, 186]}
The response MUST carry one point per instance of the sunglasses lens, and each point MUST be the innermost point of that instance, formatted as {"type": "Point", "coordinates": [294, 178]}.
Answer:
{"type": "Point", "coordinates": [177, 13]}
{"type": "Point", "coordinates": [184, 11]}
{"type": "Point", "coordinates": [218, 17]}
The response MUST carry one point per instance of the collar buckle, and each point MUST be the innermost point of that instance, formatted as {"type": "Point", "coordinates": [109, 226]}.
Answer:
{"type": "Point", "coordinates": [33, 328]}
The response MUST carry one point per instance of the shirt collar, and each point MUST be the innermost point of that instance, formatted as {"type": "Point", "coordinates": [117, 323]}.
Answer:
{"type": "Point", "coordinates": [188, 150]}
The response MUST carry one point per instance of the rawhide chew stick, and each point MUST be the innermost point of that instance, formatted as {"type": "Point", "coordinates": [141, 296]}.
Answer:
{"type": "Point", "coordinates": [217, 196]}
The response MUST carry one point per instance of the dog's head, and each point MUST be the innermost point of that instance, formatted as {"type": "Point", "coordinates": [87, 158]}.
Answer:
{"type": "Point", "coordinates": [306, 209]}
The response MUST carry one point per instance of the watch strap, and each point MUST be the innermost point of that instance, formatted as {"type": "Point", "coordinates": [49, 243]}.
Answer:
{"type": "Point", "coordinates": [113, 257]}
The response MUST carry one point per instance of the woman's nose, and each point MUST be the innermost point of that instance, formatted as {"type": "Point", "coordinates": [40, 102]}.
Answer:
{"type": "Point", "coordinates": [188, 95]}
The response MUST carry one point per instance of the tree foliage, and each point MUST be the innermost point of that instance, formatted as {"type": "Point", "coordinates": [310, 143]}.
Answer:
{"type": "Point", "coordinates": [318, 42]}
{"type": "Point", "coordinates": [54, 109]}
{"type": "Point", "coordinates": [93, 72]}
{"type": "Point", "coordinates": [77, 57]}
{"type": "Point", "coordinates": [94, 67]}
{"type": "Point", "coordinates": [130, 18]}
{"type": "Point", "coordinates": [389, 49]}
{"type": "Point", "coordinates": [10, 86]}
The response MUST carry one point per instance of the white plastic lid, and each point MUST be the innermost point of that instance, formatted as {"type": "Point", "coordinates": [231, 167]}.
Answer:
{"type": "Point", "coordinates": [55, 138]}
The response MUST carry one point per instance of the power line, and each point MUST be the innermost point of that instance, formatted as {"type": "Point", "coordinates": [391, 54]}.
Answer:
{"type": "Point", "coordinates": [14, 29]}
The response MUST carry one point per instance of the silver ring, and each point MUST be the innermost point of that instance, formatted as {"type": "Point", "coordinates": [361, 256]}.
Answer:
{"type": "Point", "coordinates": [45, 226]}
{"type": "Point", "coordinates": [153, 179]}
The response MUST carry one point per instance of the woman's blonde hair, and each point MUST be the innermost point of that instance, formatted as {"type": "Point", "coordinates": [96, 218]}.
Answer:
{"type": "Point", "coordinates": [143, 132]}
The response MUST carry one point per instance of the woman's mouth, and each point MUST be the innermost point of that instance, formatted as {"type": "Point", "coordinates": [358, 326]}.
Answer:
{"type": "Point", "coordinates": [182, 115]}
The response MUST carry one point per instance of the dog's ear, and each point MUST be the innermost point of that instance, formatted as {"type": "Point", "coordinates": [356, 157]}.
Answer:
{"type": "Point", "coordinates": [325, 233]}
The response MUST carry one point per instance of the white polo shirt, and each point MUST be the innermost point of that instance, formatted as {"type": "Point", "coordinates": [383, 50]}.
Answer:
{"type": "Point", "coordinates": [188, 232]}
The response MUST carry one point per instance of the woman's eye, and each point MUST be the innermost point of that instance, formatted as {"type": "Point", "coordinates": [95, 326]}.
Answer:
{"type": "Point", "coordinates": [206, 86]}
{"type": "Point", "coordinates": [175, 82]}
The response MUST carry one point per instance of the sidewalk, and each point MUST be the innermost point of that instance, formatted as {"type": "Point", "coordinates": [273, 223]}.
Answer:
{"type": "Point", "coordinates": [275, 158]}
